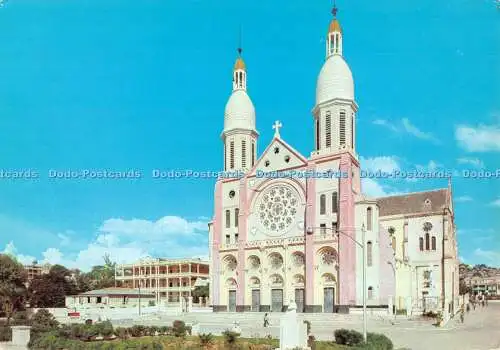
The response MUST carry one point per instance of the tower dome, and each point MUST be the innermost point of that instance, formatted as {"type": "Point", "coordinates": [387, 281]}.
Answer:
{"type": "Point", "coordinates": [334, 80]}
{"type": "Point", "coordinates": [239, 112]}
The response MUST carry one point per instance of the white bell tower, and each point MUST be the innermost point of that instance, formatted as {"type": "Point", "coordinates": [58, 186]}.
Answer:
{"type": "Point", "coordinates": [335, 110]}
{"type": "Point", "coordinates": [239, 135]}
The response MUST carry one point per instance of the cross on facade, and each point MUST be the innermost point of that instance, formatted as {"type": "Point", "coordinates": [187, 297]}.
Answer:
{"type": "Point", "coordinates": [277, 125]}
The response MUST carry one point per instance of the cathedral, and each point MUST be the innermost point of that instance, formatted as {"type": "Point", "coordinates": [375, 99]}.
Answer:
{"type": "Point", "coordinates": [298, 228]}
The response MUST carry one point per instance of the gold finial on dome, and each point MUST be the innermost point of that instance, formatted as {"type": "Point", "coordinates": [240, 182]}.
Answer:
{"type": "Point", "coordinates": [334, 26]}
{"type": "Point", "coordinates": [240, 64]}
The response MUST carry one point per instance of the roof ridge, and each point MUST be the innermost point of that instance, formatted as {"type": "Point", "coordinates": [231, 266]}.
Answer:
{"type": "Point", "coordinates": [411, 193]}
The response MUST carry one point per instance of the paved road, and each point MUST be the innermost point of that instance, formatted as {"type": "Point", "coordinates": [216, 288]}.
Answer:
{"type": "Point", "coordinates": [480, 331]}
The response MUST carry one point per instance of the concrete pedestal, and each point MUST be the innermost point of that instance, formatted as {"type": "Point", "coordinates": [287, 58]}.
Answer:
{"type": "Point", "coordinates": [293, 332]}
{"type": "Point", "coordinates": [20, 335]}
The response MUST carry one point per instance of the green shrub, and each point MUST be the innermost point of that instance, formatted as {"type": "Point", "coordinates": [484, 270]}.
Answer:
{"type": "Point", "coordinates": [104, 328]}
{"type": "Point", "coordinates": [230, 337]}
{"type": "Point", "coordinates": [401, 312]}
{"type": "Point", "coordinates": [378, 341]}
{"type": "Point", "coordinates": [77, 331]}
{"type": "Point", "coordinates": [206, 339]}
{"type": "Point", "coordinates": [348, 337]}
{"type": "Point", "coordinates": [179, 328]}
{"type": "Point", "coordinates": [5, 333]}
{"type": "Point", "coordinates": [165, 330]}
{"type": "Point", "coordinates": [121, 332]}
{"type": "Point", "coordinates": [137, 331]}
{"type": "Point", "coordinates": [43, 321]}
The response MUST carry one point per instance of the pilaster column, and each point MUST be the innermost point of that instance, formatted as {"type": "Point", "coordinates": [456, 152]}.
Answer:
{"type": "Point", "coordinates": [310, 221]}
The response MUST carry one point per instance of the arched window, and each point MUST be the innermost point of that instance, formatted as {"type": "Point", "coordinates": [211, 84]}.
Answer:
{"type": "Point", "coordinates": [427, 241]}
{"type": "Point", "coordinates": [421, 243]}
{"type": "Point", "coordinates": [328, 129]}
{"type": "Point", "coordinates": [322, 204]}
{"type": "Point", "coordinates": [335, 204]}
{"type": "Point", "coordinates": [369, 219]}
{"type": "Point", "coordinates": [433, 243]}
{"type": "Point", "coordinates": [342, 128]}
{"type": "Point", "coordinates": [228, 219]}
{"type": "Point", "coordinates": [370, 292]}
{"type": "Point", "coordinates": [236, 213]}
{"type": "Point", "coordinates": [369, 253]}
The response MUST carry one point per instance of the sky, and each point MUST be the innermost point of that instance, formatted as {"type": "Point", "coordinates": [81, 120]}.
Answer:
{"type": "Point", "coordinates": [121, 85]}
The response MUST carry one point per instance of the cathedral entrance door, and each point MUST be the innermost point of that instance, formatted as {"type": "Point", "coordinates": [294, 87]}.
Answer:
{"type": "Point", "coordinates": [232, 301]}
{"type": "Point", "coordinates": [299, 299]}
{"type": "Point", "coordinates": [329, 299]}
{"type": "Point", "coordinates": [256, 300]}
{"type": "Point", "coordinates": [277, 300]}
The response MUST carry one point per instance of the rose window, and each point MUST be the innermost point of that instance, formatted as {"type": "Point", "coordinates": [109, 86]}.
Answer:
{"type": "Point", "coordinates": [231, 262]}
{"type": "Point", "coordinates": [277, 207]}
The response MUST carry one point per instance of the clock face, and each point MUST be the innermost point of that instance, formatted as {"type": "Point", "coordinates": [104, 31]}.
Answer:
{"type": "Point", "coordinates": [277, 208]}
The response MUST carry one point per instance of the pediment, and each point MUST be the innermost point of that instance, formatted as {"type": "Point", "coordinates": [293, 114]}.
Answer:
{"type": "Point", "coordinates": [279, 156]}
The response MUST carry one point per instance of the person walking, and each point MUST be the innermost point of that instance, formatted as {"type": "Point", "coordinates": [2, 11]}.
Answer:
{"type": "Point", "coordinates": [266, 320]}
{"type": "Point", "coordinates": [468, 307]}
{"type": "Point", "coordinates": [462, 314]}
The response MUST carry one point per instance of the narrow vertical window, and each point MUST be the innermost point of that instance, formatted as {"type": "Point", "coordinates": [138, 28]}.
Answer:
{"type": "Point", "coordinates": [322, 204]}
{"type": "Point", "coordinates": [369, 219]}
{"type": "Point", "coordinates": [421, 244]}
{"type": "Point", "coordinates": [253, 154]}
{"type": "Point", "coordinates": [235, 238]}
{"type": "Point", "coordinates": [334, 227]}
{"type": "Point", "coordinates": [328, 130]}
{"type": "Point", "coordinates": [370, 292]}
{"type": "Point", "coordinates": [394, 244]}
{"type": "Point", "coordinates": [236, 213]}
{"type": "Point", "coordinates": [342, 128]}
{"type": "Point", "coordinates": [231, 154]}
{"type": "Point", "coordinates": [369, 253]}
{"type": "Point", "coordinates": [228, 219]}
{"type": "Point", "coordinates": [228, 241]}
{"type": "Point", "coordinates": [433, 243]}
{"type": "Point", "coordinates": [243, 154]}
{"type": "Point", "coordinates": [335, 202]}
{"type": "Point", "coordinates": [317, 135]}
{"type": "Point", "coordinates": [427, 241]}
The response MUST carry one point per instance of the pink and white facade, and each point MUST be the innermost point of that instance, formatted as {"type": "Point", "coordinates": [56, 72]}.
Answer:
{"type": "Point", "coordinates": [286, 229]}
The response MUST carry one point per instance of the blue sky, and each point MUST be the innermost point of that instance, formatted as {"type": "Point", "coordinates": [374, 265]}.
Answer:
{"type": "Point", "coordinates": [119, 85]}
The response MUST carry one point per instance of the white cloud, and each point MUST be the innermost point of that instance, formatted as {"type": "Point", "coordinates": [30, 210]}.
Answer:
{"type": "Point", "coordinates": [413, 130]}
{"type": "Point", "coordinates": [489, 257]}
{"type": "Point", "coordinates": [405, 126]}
{"type": "Point", "coordinates": [482, 138]}
{"type": "Point", "coordinates": [462, 199]}
{"type": "Point", "coordinates": [374, 189]}
{"type": "Point", "coordinates": [386, 124]}
{"type": "Point", "coordinates": [496, 203]}
{"type": "Point", "coordinates": [475, 162]}
{"type": "Point", "coordinates": [130, 240]}
{"type": "Point", "coordinates": [386, 164]}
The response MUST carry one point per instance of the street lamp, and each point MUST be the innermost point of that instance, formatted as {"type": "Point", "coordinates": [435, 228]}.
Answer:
{"type": "Point", "coordinates": [310, 230]}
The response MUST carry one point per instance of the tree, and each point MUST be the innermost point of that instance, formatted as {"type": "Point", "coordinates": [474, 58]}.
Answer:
{"type": "Point", "coordinates": [12, 285]}
{"type": "Point", "coordinates": [103, 276]}
{"type": "Point", "coordinates": [49, 290]}
{"type": "Point", "coordinates": [200, 291]}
